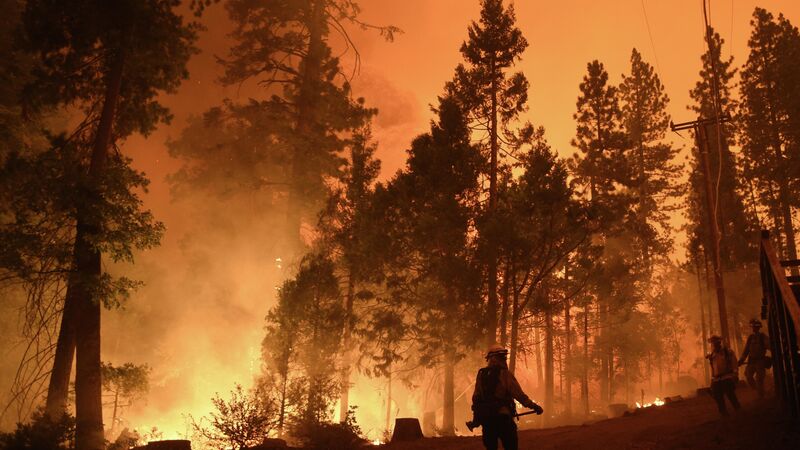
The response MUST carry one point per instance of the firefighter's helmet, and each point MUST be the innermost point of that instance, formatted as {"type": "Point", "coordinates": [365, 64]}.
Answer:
{"type": "Point", "coordinates": [755, 323]}
{"type": "Point", "coordinates": [496, 350]}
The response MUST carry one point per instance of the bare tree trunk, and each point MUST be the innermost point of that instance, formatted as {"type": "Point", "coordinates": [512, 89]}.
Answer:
{"type": "Point", "coordinates": [504, 310]}
{"type": "Point", "coordinates": [448, 414]}
{"type": "Point", "coordinates": [586, 362]}
{"type": "Point", "coordinates": [537, 348]}
{"type": "Point", "coordinates": [307, 99]}
{"type": "Point", "coordinates": [491, 335]}
{"type": "Point", "coordinates": [515, 312]}
{"type": "Point", "coordinates": [282, 412]}
{"type": "Point", "coordinates": [344, 398]}
{"type": "Point", "coordinates": [88, 383]}
{"type": "Point", "coordinates": [114, 414]}
{"type": "Point", "coordinates": [567, 355]}
{"type": "Point", "coordinates": [388, 426]}
{"type": "Point", "coordinates": [604, 369]}
{"type": "Point", "coordinates": [58, 389]}
{"type": "Point", "coordinates": [703, 329]}
{"type": "Point", "coordinates": [611, 372]}
{"type": "Point", "coordinates": [626, 380]}
{"type": "Point", "coordinates": [548, 361]}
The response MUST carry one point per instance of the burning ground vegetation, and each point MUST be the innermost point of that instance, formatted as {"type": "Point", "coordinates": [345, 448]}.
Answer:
{"type": "Point", "coordinates": [290, 239]}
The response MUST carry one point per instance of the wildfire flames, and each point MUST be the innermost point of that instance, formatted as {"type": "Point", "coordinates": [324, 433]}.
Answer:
{"type": "Point", "coordinates": [656, 402]}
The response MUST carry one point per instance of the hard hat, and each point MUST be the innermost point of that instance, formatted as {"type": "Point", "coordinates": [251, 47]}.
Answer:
{"type": "Point", "coordinates": [496, 350]}
{"type": "Point", "coordinates": [755, 323]}
{"type": "Point", "coordinates": [715, 338]}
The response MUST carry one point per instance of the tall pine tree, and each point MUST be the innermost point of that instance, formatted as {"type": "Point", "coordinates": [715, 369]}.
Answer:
{"type": "Point", "coordinates": [493, 98]}
{"type": "Point", "coordinates": [111, 61]}
{"type": "Point", "coordinates": [769, 112]}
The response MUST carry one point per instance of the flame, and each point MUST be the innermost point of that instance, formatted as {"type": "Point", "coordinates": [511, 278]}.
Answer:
{"type": "Point", "coordinates": [656, 402]}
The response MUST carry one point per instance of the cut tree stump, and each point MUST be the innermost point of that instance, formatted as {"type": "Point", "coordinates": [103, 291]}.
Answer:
{"type": "Point", "coordinates": [406, 429]}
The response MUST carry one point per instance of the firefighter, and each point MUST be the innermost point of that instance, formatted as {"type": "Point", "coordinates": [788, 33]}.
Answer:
{"type": "Point", "coordinates": [493, 401]}
{"type": "Point", "coordinates": [725, 375]}
{"type": "Point", "coordinates": [755, 352]}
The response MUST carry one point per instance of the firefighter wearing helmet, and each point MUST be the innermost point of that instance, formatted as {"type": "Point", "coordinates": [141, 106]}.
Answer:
{"type": "Point", "coordinates": [755, 353]}
{"type": "Point", "coordinates": [493, 401]}
{"type": "Point", "coordinates": [724, 374]}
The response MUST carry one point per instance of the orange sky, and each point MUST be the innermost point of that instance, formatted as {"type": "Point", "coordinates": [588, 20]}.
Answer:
{"type": "Point", "coordinates": [404, 77]}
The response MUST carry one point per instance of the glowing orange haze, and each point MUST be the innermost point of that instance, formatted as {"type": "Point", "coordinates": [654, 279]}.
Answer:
{"type": "Point", "coordinates": [200, 350]}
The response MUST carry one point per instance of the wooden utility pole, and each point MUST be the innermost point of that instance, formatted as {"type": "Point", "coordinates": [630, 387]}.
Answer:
{"type": "Point", "coordinates": [701, 138]}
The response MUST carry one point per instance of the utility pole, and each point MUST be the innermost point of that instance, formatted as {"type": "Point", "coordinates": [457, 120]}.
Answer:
{"type": "Point", "coordinates": [701, 138]}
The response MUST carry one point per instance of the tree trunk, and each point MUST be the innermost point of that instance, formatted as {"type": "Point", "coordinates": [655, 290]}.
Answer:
{"type": "Point", "coordinates": [448, 410]}
{"type": "Point", "coordinates": [504, 310]}
{"type": "Point", "coordinates": [389, 400]}
{"type": "Point", "coordinates": [611, 371]}
{"type": "Point", "coordinates": [515, 312]}
{"type": "Point", "coordinates": [58, 389]}
{"type": "Point", "coordinates": [307, 98]}
{"type": "Point", "coordinates": [703, 329]}
{"type": "Point", "coordinates": [114, 414]}
{"type": "Point", "coordinates": [537, 348]}
{"type": "Point", "coordinates": [347, 353]}
{"type": "Point", "coordinates": [282, 412]}
{"type": "Point", "coordinates": [88, 382]}
{"type": "Point", "coordinates": [567, 354]}
{"type": "Point", "coordinates": [604, 381]}
{"type": "Point", "coordinates": [548, 361]}
{"type": "Point", "coordinates": [585, 377]}
{"type": "Point", "coordinates": [491, 335]}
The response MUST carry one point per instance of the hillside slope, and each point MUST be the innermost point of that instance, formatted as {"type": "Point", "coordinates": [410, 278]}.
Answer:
{"type": "Point", "coordinates": [689, 424]}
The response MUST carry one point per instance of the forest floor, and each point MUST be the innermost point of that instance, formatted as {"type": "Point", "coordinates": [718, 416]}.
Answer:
{"type": "Point", "coordinates": [689, 424]}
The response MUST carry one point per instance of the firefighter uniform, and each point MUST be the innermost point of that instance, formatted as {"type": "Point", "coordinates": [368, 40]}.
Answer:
{"type": "Point", "coordinates": [755, 353]}
{"type": "Point", "coordinates": [496, 388]}
{"type": "Point", "coordinates": [724, 371]}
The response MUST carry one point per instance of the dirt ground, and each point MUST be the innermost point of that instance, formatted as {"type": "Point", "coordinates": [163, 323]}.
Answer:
{"type": "Point", "coordinates": [689, 424]}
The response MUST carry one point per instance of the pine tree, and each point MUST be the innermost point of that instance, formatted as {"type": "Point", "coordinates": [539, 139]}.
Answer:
{"type": "Point", "coordinates": [651, 177]}
{"type": "Point", "coordinates": [769, 113]}
{"type": "Point", "coordinates": [652, 169]}
{"type": "Point", "coordinates": [285, 47]}
{"type": "Point", "coordinates": [493, 99]}
{"type": "Point", "coordinates": [432, 268]}
{"type": "Point", "coordinates": [115, 59]}
{"type": "Point", "coordinates": [598, 170]}
{"type": "Point", "coordinates": [345, 229]}
{"type": "Point", "coordinates": [543, 224]}
{"type": "Point", "coordinates": [304, 335]}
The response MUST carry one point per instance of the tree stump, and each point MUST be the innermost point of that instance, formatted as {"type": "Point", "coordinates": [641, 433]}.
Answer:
{"type": "Point", "coordinates": [176, 444]}
{"type": "Point", "coordinates": [406, 429]}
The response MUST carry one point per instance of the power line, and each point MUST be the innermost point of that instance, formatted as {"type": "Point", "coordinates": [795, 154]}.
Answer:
{"type": "Point", "coordinates": [650, 34]}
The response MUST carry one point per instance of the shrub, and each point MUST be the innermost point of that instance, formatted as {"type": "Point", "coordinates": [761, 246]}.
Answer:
{"type": "Point", "coordinates": [331, 436]}
{"type": "Point", "coordinates": [41, 433]}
